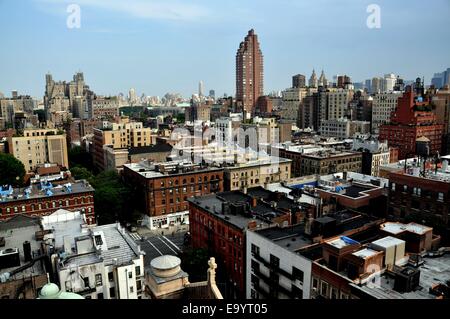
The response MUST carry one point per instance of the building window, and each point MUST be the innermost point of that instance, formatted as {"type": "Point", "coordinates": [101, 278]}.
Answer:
{"type": "Point", "coordinates": [100, 296]}
{"type": "Point", "coordinates": [440, 197]}
{"type": "Point", "coordinates": [86, 282]}
{"type": "Point", "coordinates": [255, 250]}
{"type": "Point", "coordinates": [111, 276]}
{"type": "Point", "coordinates": [130, 275]}
{"type": "Point", "coordinates": [274, 261]}
{"type": "Point", "coordinates": [112, 292]}
{"type": "Point", "coordinates": [324, 289]}
{"type": "Point", "coordinates": [297, 274]}
{"type": "Point", "coordinates": [297, 293]}
{"type": "Point", "coordinates": [98, 280]}
{"type": "Point", "coordinates": [131, 289]}
{"type": "Point", "coordinates": [138, 285]}
{"type": "Point", "coordinates": [138, 271]}
{"type": "Point", "coordinates": [98, 240]}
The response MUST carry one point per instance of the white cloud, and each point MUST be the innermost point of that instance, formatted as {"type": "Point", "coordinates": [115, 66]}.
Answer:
{"type": "Point", "coordinates": [145, 9]}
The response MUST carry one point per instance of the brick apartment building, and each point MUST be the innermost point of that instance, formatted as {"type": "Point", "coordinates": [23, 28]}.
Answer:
{"type": "Point", "coordinates": [42, 199]}
{"type": "Point", "coordinates": [219, 222]}
{"type": "Point", "coordinates": [165, 188]}
{"type": "Point", "coordinates": [412, 119]}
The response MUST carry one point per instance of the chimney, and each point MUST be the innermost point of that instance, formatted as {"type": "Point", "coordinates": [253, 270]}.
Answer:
{"type": "Point", "coordinates": [254, 201]}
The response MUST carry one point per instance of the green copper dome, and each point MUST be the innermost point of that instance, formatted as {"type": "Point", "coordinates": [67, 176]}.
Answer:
{"type": "Point", "coordinates": [51, 291]}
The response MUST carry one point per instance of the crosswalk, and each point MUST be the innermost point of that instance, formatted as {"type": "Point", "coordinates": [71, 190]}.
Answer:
{"type": "Point", "coordinates": [135, 236]}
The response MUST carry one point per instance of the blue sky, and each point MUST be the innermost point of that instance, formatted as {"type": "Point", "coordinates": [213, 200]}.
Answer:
{"type": "Point", "coordinates": [159, 46]}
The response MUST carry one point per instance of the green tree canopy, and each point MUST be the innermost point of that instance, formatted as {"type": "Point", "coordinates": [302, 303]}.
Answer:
{"type": "Point", "coordinates": [79, 157]}
{"type": "Point", "coordinates": [113, 199]}
{"type": "Point", "coordinates": [12, 171]}
{"type": "Point", "coordinates": [79, 172]}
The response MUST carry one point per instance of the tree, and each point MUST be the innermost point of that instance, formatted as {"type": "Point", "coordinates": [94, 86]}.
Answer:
{"type": "Point", "coordinates": [79, 157]}
{"type": "Point", "coordinates": [195, 263]}
{"type": "Point", "coordinates": [112, 198]}
{"type": "Point", "coordinates": [12, 171]}
{"type": "Point", "coordinates": [79, 172]}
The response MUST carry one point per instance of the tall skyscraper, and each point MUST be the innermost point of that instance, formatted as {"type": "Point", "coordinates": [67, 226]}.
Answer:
{"type": "Point", "coordinates": [200, 89]}
{"type": "Point", "coordinates": [313, 82]}
{"type": "Point", "coordinates": [249, 73]}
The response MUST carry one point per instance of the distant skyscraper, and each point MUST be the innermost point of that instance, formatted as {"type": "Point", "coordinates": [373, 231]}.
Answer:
{"type": "Point", "coordinates": [132, 97]}
{"type": "Point", "coordinates": [212, 94]}
{"type": "Point", "coordinates": [313, 82]}
{"type": "Point", "coordinates": [389, 82]}
{"type": "Point", "coordinates": [439, 80]}
{"type": "Point", "coordinates": [249, 73]}
{"type": "Point", "coordinates": [298, 81]}
{"type": "Point", "coordinates": [323, 80]}
{"type": "Point", "coordinates": [200, 89]}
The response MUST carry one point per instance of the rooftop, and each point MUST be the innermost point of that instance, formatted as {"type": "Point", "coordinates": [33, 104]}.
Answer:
{"type": "Point", "coordinates": [15, 232]}
{"type": "Point", "coordinates": [150, 170]}
{"type": "Point", "coordinates": [433, 271]}
{"type": "Point", "coordinates": [241, 211]}
{"type": "Point", "coordinates": [43, 190]}
{"type": "Point", "coordinates": [292, 238]}
{"type": "Point", "coordinates": [397, 228]}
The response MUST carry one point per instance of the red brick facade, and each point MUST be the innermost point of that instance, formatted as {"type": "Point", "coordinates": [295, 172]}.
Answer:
{"type": "Point", "coordinates": [224, 239]}
{"type": "Point", "coordinates": [408, 123]}
{"type": "Point", "coordinates": [169, 193]}
{"type": "Point", "coordinates": [83, 202]}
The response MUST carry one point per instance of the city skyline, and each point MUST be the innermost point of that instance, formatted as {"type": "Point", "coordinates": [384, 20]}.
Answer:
{"type": "Point", "coordinates": [117, 49]}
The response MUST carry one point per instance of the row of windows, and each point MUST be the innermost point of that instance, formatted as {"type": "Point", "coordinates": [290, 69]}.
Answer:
{"type": "Point", "coordinates": [176, 182]}
{"type": "Point", "coordinates": [41, 206]}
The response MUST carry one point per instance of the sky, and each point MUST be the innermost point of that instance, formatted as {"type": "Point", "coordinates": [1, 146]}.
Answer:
{"type": "Point", "coordinates": [160, 46]}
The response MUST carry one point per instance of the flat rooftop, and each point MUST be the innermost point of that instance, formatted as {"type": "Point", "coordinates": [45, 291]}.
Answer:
{"type": "Point", "coordinates": [365, 253]}
{"type": "Point", "coordinates": [397, 228]}
{"type": "Point", "coordinates": [37, 191]}
{"type": "Point", "coordinates": [433, 271]}
{"type": "Point", "coordinates": [213, 204]}
{"type": "Point", "coordinates": [388, 242]}
{"type": "Point", "coordinates": [172, 168]}
{"type": "Point", "coordinates": [292, 238]}
{"type": "Point", "coordinates": [16, 231]}
{"type": "Point", "coordinates": [121, 248]}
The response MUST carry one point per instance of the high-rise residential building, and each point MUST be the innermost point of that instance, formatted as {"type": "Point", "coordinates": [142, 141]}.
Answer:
{"type": "Point", "coordinates": [132, 97]}
{"type": "Point", "coordinates": [412, 120]}
{"type": "Point", "coordinates": [383, 105]}
{"type": "Point", "coordinates": [249, 73]}
{"type": "Point", "coordinates": [439, 80]}
{"type": "Point", "coordinates": [368, 85]}
{"type": "Point", "coordinates": [441, 101]}
{"type": "Point", "coordinates": [337, 103]}
{"type": "Point", "coordinates": [292, 99]}
{"type": "Point", "coordinates": [298, 81]}
{"type": "Point", "coordinates": [39, 147]}
{"type": "Point", "coordinates": [119, 136]}
{"type": "Point", "coordinates": [64, 100]}
{"type": "Point", "coordinates": [377, 85]}
{"type": "Point", "coordinates": [201, 89]}
{"type": "Point", "coordinates": [389, 82]}
{"type": "Point", "coordinates": [313, 82]}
